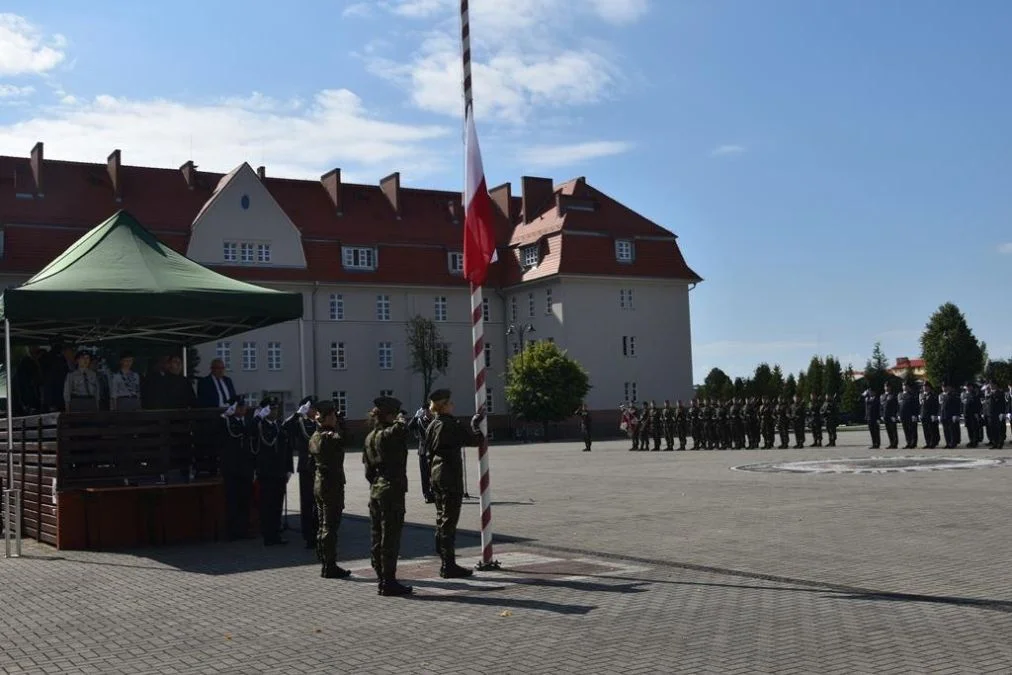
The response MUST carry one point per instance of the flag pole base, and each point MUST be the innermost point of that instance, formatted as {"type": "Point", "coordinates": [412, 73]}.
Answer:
{"type": "Point", "coordinates": [488, 566]}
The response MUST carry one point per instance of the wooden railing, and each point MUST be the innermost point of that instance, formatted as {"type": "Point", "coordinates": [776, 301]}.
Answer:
{"type": "Point", "coordinates": [36, 472]}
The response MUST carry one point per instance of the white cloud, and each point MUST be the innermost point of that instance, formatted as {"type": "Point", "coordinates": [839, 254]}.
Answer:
{"type": "Point", "coordinates": [24, 50]}
{"type": "Point", "coordinates": [509, 14]}
{"type": "Point", "coordinates": [1005, 248]}
{"type": "Point", "coordinates": [620, 11]}
{"type": "Point", "coordinates": [569, 155]}
{"type": "Point", "coordinates": [725, 150]}
{"type": "Point", "coordinates": [12, 91]}
{"type": "Point", "coordinates": [358, 10]}
{"type": "Point", "coordinates": [334, 129]}
{"type": "Point", "coordinates": [418, 9]}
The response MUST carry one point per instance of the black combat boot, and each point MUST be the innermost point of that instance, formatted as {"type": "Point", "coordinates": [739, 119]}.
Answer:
{"type": "Point", "coordinates": [334, 572]}
{"type": "Point", "coordinates": [393, 588]}
{"type": "Point", "coordinates": [451, 570]}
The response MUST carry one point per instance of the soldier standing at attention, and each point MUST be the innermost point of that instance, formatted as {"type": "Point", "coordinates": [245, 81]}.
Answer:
{"type": "Point", "coordinates": [385, 457]}
{"type": "Point", "coordinates": [929, 416]}
{"type": "Point", "coordinates": [298, 429]}
{"type": "Point", "coordinates": [668, 422]}
{"type": "Point", "coordinates": [419, 423]}
{"type": "Point", "coordinates": [723, 426]}
{"type": "Point", "coordinates": [705, 424]}
{"type": "Point", "coordinates": [274, 468]}
{"type": "Point", "coordinates": [799, 416]}
{"type": "Point", "coordinates": [752, 422]}
{"type": "Point", "coordinates": [444, 439]}
{"type": "Point", "coordinates": [736, 416]}
{"type": "Point", "coordinates": [783, 422]}
{"type": "Point", "coordinates": [891, 413]}
{"type": "Point", "coordinates": [681, 422]}
{"type": "Point", "coordinates": [872, 414]}
{"type": "Point", "coordinates": [695, 426]}
{"type": "Point", "coordinates": [831, 418]}
{"type": "Point", "coordinates": [327, 449]}
{"type": "Point", "coordinates": [951, 405]}
{"type": "Point", "coordinates": [646, 426]}
{"type": "Point", "coordinates": [237, 467]}
{"type": "Point", "coordinates": [656, 425]}
{"type": "Point", "coordinates": [908, 405]}
{"type": "Point", "coordinates": [971, 413]}
{"type": "Point", "coordinates": [815, 420]}
{"type": "Point", "coordinates": [767, 423]}
{"type": "Point", "coordinates": [585, 429]}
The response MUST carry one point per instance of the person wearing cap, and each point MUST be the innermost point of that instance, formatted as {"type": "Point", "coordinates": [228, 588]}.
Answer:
{"type": "Point", "coordinates": [971, 415]}
{"type": "Point", "coordinates": [830, 418]}
{"type": "Point", "coordinates": [444, 440]}
{"type": "Point", "coordinates": [385, 456]}
{"type": "Point", "coordinates": [951, 407]}
{"type": "Point", "coordinates": [585, 425]}
{"type": "Point", "coordinates": [274, 468]}
{"type": "Point", "coordinates": [327, 449]}
{"type": "Point", "coordinates": [237, 467]}
{"type": "Point", "coordinates": [873, 415]}
{"type": "Point", "coordinates": [298, 429]}
{"type": "Point", "coordinates": [929, 417]}
{"type": "Point", "coordinates": [80, 389]}
{"type": "Point", "coordinates": [890, 415]}
{"type": "Point", "coordinates": [908, 408]}
{"type": "Point", "coordinates": [419, 423]}
{"type": "Point", "coordinates": [125, 385]}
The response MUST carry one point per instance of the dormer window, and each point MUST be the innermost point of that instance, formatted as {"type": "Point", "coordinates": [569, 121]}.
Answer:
{"type": "Point", "coordinates": [230, 251]}
{"type": "Point", "coordinates": [246, 252]}
{"type": "Point", "coordinates": [358, 258]}
{"type": "Point", "coordinates": [456, 262]}
{"type": "Point", "coordinates": [263, 253]}
{"type": "Point", "coordinates": [623, 250]}
{"type": "Point", "coordinates": [529, 256]}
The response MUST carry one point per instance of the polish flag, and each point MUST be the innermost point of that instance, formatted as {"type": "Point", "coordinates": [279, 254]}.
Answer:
{"type": "Point", "coordinates": [479, 235]}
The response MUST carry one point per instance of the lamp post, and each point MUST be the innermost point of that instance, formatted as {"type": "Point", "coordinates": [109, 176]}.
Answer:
{"type": "Point", "coordinates": [521, 331]}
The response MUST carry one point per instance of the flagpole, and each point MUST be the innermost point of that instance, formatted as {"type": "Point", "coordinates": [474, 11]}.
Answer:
{"type": "Point", "coordinates": [477, 326]}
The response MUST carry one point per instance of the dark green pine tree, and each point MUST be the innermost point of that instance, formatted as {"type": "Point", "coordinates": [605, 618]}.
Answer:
{"type": "Point", "coordinates": [952, 355]}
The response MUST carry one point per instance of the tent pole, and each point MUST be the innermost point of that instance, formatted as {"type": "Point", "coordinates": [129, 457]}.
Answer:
{"type": "Point", "coordinates": [186, 369]}
{"type": "Point", "coordinates": [302, 356]}
{"type": "Point", "coordinates": [10, 404]}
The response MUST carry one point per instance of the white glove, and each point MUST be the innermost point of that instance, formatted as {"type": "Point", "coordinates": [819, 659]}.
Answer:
{"type": "Point", "coordinates": [304, 409]}
{"type": "Point", "coordinates": [229, 411]}
{"type": "Point", "coordinates": [263, 412]}
{"type": "Point", "coordinates": [934, 418]}
{"type": "Point", "coordinates": [288, 476]}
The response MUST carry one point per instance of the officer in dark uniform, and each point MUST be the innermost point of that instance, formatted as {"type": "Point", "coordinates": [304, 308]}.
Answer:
{"type": "Point", "coordinates": [238, 464]}
{"type": "Point", "coordinates": [951, 407]}
{"type": "Point", "coordinates": [418, 424]}
{"type": "Point", "coordinates": [930, 413]}
{"type": "Point", "coordinates": [385, 457]}
{"type": "Point", "coordinates": [872, 415]}
{"type": "Point", "coordinates": [274, 468]}
{"type": "Point", "coordinates": [799, 415]}
{"type": "Point", "coordinates": [585, 426]}
{"type": "Point", "coordinates": [830, 418]}
{"type": "Point", "coordinates": [971, 414]}
{"type": "Point", "coordinates": [909, 407]}
{"type": "Point", "coordinates": [327, 448]}
{"type": "Point", "coordinates": [297, 430]}
{"type": "Point", "coordinates": [815, 420]}
{"type": "Point", "coordinates": [890, 414]}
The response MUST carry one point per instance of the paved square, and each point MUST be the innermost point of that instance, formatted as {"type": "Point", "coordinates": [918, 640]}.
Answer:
{"type": "Point", "coordinates": [613, 562]}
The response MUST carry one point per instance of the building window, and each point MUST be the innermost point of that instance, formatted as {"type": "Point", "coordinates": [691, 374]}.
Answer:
{"type": "Point", "coordinates": [630, 392]}
{"type": "Point", "coordinates": [336, 307]}
{"type": "Point", "coordinates": [223, 351]}
{"type": "Point", "coordinates": [359, 258]}
{"type": "Point", "coordinates": [386, 356]}
{"type": "Point", "coordinates": [263, 253]}
{"type": "Point", "coordinates": [489, 401]}
{"type": "Point", "coordinates": [246, 252]}
{"type": "Point", "coordinates": [340, 401]}
{"type": "Point", "coordinates": [443, 356]}
{"type": "Point", "coordinates": [382, 307]}
{"type": "Point", "coordinates": [488, 355]}
{"type": "Point", "coordinates": [484, 310]}
{"type": "Point", "coordinates": [529, 255]}
{"type": "Point", "coordinates": [623, 250]}
{"type": "Point", "coordinates": [513, 309]}
{"type": "Point", "coordinates": [548, 301]}
{"type": "Point", "coordinates": [337, 356]}
{"type": "Point", "coordinates": [625, 298]}
{"type": "Point", "coordinates": [273, 356]}
{"type": "Point", "coordinates": [230, 251]}
{"type": "Point", "coordinates": [530, 305]}
{"type": "Point", "coordinates": [456, 263]}
{"type": "Point", "coordinates": [251, 400]}
{"type": "Point", "coordinates": [249, 356]}
{"type": "Point", "coordinates": [387, 392]}
{"type": "Point", "coordinates": [628, 345]}
{"type": "Point", "coordinates": [440, 308]}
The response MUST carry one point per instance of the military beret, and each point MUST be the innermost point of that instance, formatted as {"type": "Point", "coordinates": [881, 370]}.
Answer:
{"type": "Point", "coordinates": [387, 404]}
{"type": "Point", "coordinates": [440, 395]}
{"type": "Point", "coordinates": [325, 407]}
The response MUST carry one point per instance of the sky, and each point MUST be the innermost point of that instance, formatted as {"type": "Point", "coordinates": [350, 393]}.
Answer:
{"type": "Point", "coordinates": [834, 171]}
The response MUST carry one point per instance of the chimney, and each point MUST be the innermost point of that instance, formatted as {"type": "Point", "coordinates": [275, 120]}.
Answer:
{"type": "Point", "coordinates": [332, 184]}
{"type": "Point", "coordinates": [391, 187]}
{"type": "Point", "coordinates": [537, 193]}
{"type": "Point", "coordinates": [189, 171]}
{"type": "Point", "coordinates": [36, 163]}
{"type": "Point", "coordinates": [502, 197]}
{"type": "Point", "coordinates": [261, 173]}
{"type": "Point", "coordinates": [113, 166]}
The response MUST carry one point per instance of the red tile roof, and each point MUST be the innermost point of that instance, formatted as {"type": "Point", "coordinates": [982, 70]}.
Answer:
{"type": "Point", "coordinates": [412, 245]}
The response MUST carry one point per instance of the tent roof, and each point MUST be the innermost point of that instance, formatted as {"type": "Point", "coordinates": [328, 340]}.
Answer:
{"type": "Point", "coordinates": [119, 282]}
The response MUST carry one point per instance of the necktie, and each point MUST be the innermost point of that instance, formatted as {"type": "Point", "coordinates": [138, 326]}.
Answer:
{"type": "Point", "coordinates": [222, 393]}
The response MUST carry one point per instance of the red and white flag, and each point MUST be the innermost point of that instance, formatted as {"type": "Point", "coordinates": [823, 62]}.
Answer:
{"type": "Point", "coordinates": [479, 235]}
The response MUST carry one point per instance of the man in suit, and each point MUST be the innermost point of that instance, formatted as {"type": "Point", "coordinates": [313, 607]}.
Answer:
{"type": "Point", "coordinates": [215, 390]}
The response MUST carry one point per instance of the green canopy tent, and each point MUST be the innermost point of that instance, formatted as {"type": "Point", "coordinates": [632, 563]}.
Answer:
{"type": "Point", "coordinates": [119, 282]}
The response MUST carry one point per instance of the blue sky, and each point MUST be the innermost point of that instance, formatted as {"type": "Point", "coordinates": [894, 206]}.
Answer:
{"type": "Point", "coordinates": [834, 170]}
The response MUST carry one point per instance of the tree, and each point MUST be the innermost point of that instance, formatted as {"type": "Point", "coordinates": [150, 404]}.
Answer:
{"type": "Point", "coordinates": [739, 388]}
{"type": "Point", "coordinates": [833, 377]}
{"type": "Point", "coordinates": [952, 355]}
{"type": "Point", "coordinates": [777, 382]}
{"type": "Point", "coordinates": [999, 372]}
{"type": "Point", "coordinates": [876, 370]}
{"type": "Point", "coordinates": [790, 387]}
{"type": "Point", "coordinates": [910, 378]}
{"type": "Point", "coordinates": [544, 385]}
{"type": "Point", "coordinates": [762, 381]}
{"type": "Point", "coordinates": [717, 384]}
{"type": "Point", "coordinates": [802, 389]}
{"type": "Point", "coordinates": [427, 353]}
{"type": "Point", "coordinates": [851, 402]}
{"type": "Point", "coordinates": [816, 377]}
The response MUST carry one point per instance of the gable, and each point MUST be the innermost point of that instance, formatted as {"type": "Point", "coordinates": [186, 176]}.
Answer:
{"type": "Point", "coordinates": [242, 225]}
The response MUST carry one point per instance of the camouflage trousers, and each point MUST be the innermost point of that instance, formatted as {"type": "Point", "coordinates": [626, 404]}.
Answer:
{"type": "Point", "coordinates": [330, 507]}
{"type": "Point", "coordinates": [447, 515]}
{"type": "Point", "coordinates": [386, 518]}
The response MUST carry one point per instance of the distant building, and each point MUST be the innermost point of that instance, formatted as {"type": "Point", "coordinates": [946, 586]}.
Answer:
{"type": "Point", "coordinates": [585, 271]}
{"type": "Point", "coordinates": [904, 364]}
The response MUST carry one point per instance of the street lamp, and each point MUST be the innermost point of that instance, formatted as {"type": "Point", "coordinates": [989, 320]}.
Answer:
{"type": "Point", "coordinates": [521, 331]}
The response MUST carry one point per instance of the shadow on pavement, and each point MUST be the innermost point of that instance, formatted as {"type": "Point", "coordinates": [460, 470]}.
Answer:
{"type": "Point", "coordinates": [508, 603]}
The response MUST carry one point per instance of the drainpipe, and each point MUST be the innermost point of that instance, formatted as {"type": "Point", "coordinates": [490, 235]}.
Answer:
{"type": "Point", "coordinates": [316, 368]}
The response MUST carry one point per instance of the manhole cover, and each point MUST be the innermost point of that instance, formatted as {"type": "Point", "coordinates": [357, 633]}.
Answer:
{"type": "Point", "coordinates": [874, 465]}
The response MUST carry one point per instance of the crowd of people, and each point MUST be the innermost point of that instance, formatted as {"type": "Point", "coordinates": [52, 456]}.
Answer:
{"type": "Point", "coordinates": [260, 448]}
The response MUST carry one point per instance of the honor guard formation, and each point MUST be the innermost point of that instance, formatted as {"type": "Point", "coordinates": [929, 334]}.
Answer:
{"type": "Point", "coordinates": [258, 460]}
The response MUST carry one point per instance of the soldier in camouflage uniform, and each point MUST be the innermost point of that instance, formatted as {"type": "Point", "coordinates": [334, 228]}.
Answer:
{"type": "Point", "coordinates": [783, 422]}
{"type": "Point", "coordinates": [668, 421]}
{"type": "Point", "coordinates": [815, 420]}
{"type": "Point", "coordinates": [720, 424]}
{"type": "Point", "coordinates": [799, 418]}
{"type": "Point", "coordinates": [681, 423]}
{"type": "Point", "coordinates": [767, 417]}
{"type": "Point", "coordinates": [645, 429]}
{"type": "Point", "coordinates": [326, 446]}
{"type": "Point", "coordinates": [695, 427]}
{"type": "Point", "coordinates": [752, 423]}
{"type": "Point", "coordinates": [711, 424]}
{"type": "Point", "coordinates": [831, 419]}
{"type": "Point", "coordinates": [736, 418]}
{"type": "Point", "coordinates": [656, 425]}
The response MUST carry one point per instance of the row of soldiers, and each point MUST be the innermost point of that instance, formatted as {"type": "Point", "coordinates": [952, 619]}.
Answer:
{"type": "Point", "coordinates": [738, 423]}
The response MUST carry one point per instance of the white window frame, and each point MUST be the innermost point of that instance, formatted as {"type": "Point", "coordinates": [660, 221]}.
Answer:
{"type": "Point", "coordinates": [625, 298]}
{"type": "Point", "coordinates": [531, 306]}
{"type": "Point", "coordinates": [455, 262]}
{"type": "Point", "coordinates": [443, 355]}
{"type": "Point", "coordinates": [439, 309]}
{"type": "Point", "coordinates": [359, 258]}
{"type": "Point", "coordinates": [223, 351]}
{"type": "Point", "coordinates": [485, 311]}
{"type": "Point", "coordinates": [382, 307]}
{"type": "Point", "coordinates": [336, 307]}
{"type": "Point", "coordinates": [338, 356]}
{"type": "Point", "coordinates": [385, 355]}
{"type": "Point", "coordinates": [630, 392]}
{"type": "Point", "coordinates": [249, 355]}
{"type": "Point", "coordinates": [247, 252]}
{"type": "Point", "coordinates": [340, 400]}
{"type": "Point", "coordinates": [230, 251]}
{"type": "Point", "coordinates": [548, 300]}
{"type": "Point", "coordinates": [488, 354]}
{"type": "Point", "coordinates": [489, 401]}
{"type": "Point", "coordinates": [629, 346]}
{"type": "Point", "coordinates": [264, 252]}
{"type": "Point", "coordinates": [529, 256]}
{"type": "Point", "coordinates": [624, 251]}
{"type": "Point", "coordinates": [274, 357]}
